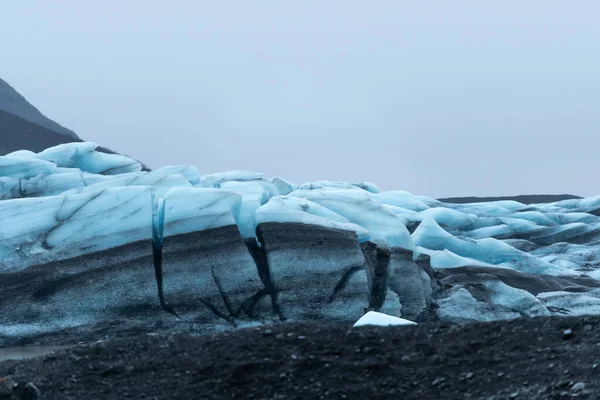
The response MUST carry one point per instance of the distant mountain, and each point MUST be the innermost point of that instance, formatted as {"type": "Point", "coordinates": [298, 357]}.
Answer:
{"type": "Point", "coordinates": [525, 199]}
{"type": "Point", "coordinates": [24, 127]}
{"type": "Point", "coordinates": [13, 103]}
{"type": "Point", "coordinates": [17, 133]}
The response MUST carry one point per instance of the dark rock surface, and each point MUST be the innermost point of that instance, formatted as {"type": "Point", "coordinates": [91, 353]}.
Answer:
{"type": "Point", "coordinates": [318, 272]}
{"type": "Point", "coordinates": [540, 358]}
{"type": "Point", "coordinates": [410, 282]}
{"type": "Point", "coordinates": [214, 280]}
{"type": "Point", "coordinates": [534, 284]}
{"type": "Point", "coordinates": [525, 199]}
{"type": "Point", "coordinates": [115, 284]}
{"type": "Point", "coordinates": [209, 277]}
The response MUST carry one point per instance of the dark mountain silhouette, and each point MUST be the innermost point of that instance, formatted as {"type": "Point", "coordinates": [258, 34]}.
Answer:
{"type": "Point", "coordinates": [12, 102]}
{"type": "Point", "coordinates": [525, 199]}
{"type": "Point", "coordinates": [17, 133]}
{"type": "Point", "coordinates": [24, 127]}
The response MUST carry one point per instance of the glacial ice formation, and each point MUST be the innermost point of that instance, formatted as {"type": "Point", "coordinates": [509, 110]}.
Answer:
{"type": "Point", "coordinates": [88, 238]}
{"type": "Point", "coordinates": [360, 207]}
{"type": "Point", "coordinates": [41, 230]}
{"type": "Point", "coordinates": [374, 318]}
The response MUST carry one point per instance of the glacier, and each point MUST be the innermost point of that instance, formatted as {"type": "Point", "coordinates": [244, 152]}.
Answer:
{"type": "Point", "coordinates": [90, 243]}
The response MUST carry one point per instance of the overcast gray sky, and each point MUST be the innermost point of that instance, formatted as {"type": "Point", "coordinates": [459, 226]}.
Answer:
{"type": "Point", "coordinates": [437, 98]}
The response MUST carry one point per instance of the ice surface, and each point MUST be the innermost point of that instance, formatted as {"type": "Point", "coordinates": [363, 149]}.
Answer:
{"type": "Point", "coordinates": [491, 209]}
{"type": "Point", "coordinates": [336, 185]}
{"type": "Point", "coordinates": [361, 208]}
{"type": "Point", "coordinates": [368, 186]}
{"type": "Point", "coordinates": [585, 205]}
{"type": "Point", "coordinates": [51, 185]}
{"type": "Point", "coordinates": [400, 198]}
{"type": "Point", "coordinates": [462, 307]}
{"type": "Point", "coordinates": [10, 188]}
{"type": "Point", "coordinates": [188, 171]}
{"type": "Point", "coordinates": [283, 187]}
{"type": "Point", "coordinates": [254, 194]}
{"type": "Point", "coordinates": [508, 226]}
{"type": "Point", "coordinates": [500, 294]}
{"type": "Point", "coordinates": [41, 230]}
{"type": "Point", "coordinates": [450, 218]}
{"type": "Point", "coordinates": [85, 157]}
{"type": "Point", "coordinates": [196, 209]}
{"type": "Point", "coordinates": [572, 303]}
{"type": "Point", "coordinates": [216, 180]}
{"type": "Point", "coordinates": [571, 217]}
{"type": "Point", "coordinates": [296, 210]}
{"type": "Point", "coordinates": [160, 180]}
{"type": "Point", "coordinates": [22, 153]}
{"type": "Point", "coordinates": [535, 217]}
{"type": "Point", "coordinates": [487, 300]}
{"type": "Point", "coordinates": [24, 168]}
{"type": "Point", "coordinates": [431, 236]}
{"type": "Point", "coordinates": [375, 318]}
{"type": "Point", "coordinates": [446, 259]}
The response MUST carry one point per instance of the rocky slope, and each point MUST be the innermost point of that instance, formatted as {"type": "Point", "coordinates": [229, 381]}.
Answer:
{"type": "Point", "coordinates": [22, 126]}
{"type": "Point", "coordinates": [541, 358]}
{"type": "Point", "coordinates": [14, 103]}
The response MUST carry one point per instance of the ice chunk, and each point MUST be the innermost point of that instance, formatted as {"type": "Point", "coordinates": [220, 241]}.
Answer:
{"type": "Point", "coordinates": [501, 294]}
{"type": "Point", "coordinates": [565, 233]}
{"type": "Point", "coordinates": [407, 216]}
{"type": "Point", "coordinates": [10, 188]}
{"type": "Point", "coordinates": [402, 199]}
{"type": "Point", "coordinates": [24, 168]}
{"type": "Point", "coordinates": [561, 262]}
{"type": "Point", "coordinates": [51, 185]}
{"type": "Point", "coordinates": [462, 307]}
{"type": "Point", "coordinates": [85, 157]}
{"type": "Point", "coordinates": [430, 235]}
{"type": "Point", "coordinates": [360, 207]}
{"type": "Point", "coordinates": [22, 153]}
{"type": "Point", "coordinates": [571, 304]}
{"type": "Point", "coordinates": [430, 202]}
{"type": "Point", "coordinates": [584, 255]}
{"type": "Point", "coordinates": [490, 209]}
{"type": "Point", "coordinates": [488, 300]}
{"type": "Point", "coordinates": [450, 218]}
{"type": "Point", "coordinates": [215, 180]}
{"type": "Point", "coordinates": [336, 185]}
{"type": "Point", "coordinates": [368, 186]}
{"type": "Point", "coordinates": [447, 259]}
{"type": "Point", "coordinates": [209, 275]}
{"type": "Point", "coordinates": [571, 217]}
{"type": "Point", "coordinates": [160, 180]}
{"type": "Point", "coordinates": [534, 216]}
{"type": "Point", "coordinates": [197, 209]}
{"type": "Point", "coordinates": [66, 155]}
{"type": "Point", "coordinates": [582, 205]}
{"type": "Point", "coordinates": [254, 194]}
{"type": "Point", "coordinates": [375, 318]}
{"type": "Point", "coordinates": [509, 227]}
{"type": "Point", "coordinates": [41, 230]}
{"type": "Point", "coordinates": [282, 186]}
{"type": "Point", "coordinates": [188, 171]}
{"type": "Point", "coordinates": [291, 209]}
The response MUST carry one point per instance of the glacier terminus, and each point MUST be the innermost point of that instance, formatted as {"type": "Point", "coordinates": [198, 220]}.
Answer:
{"type": "Point", "coordinates": [92, 246]}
